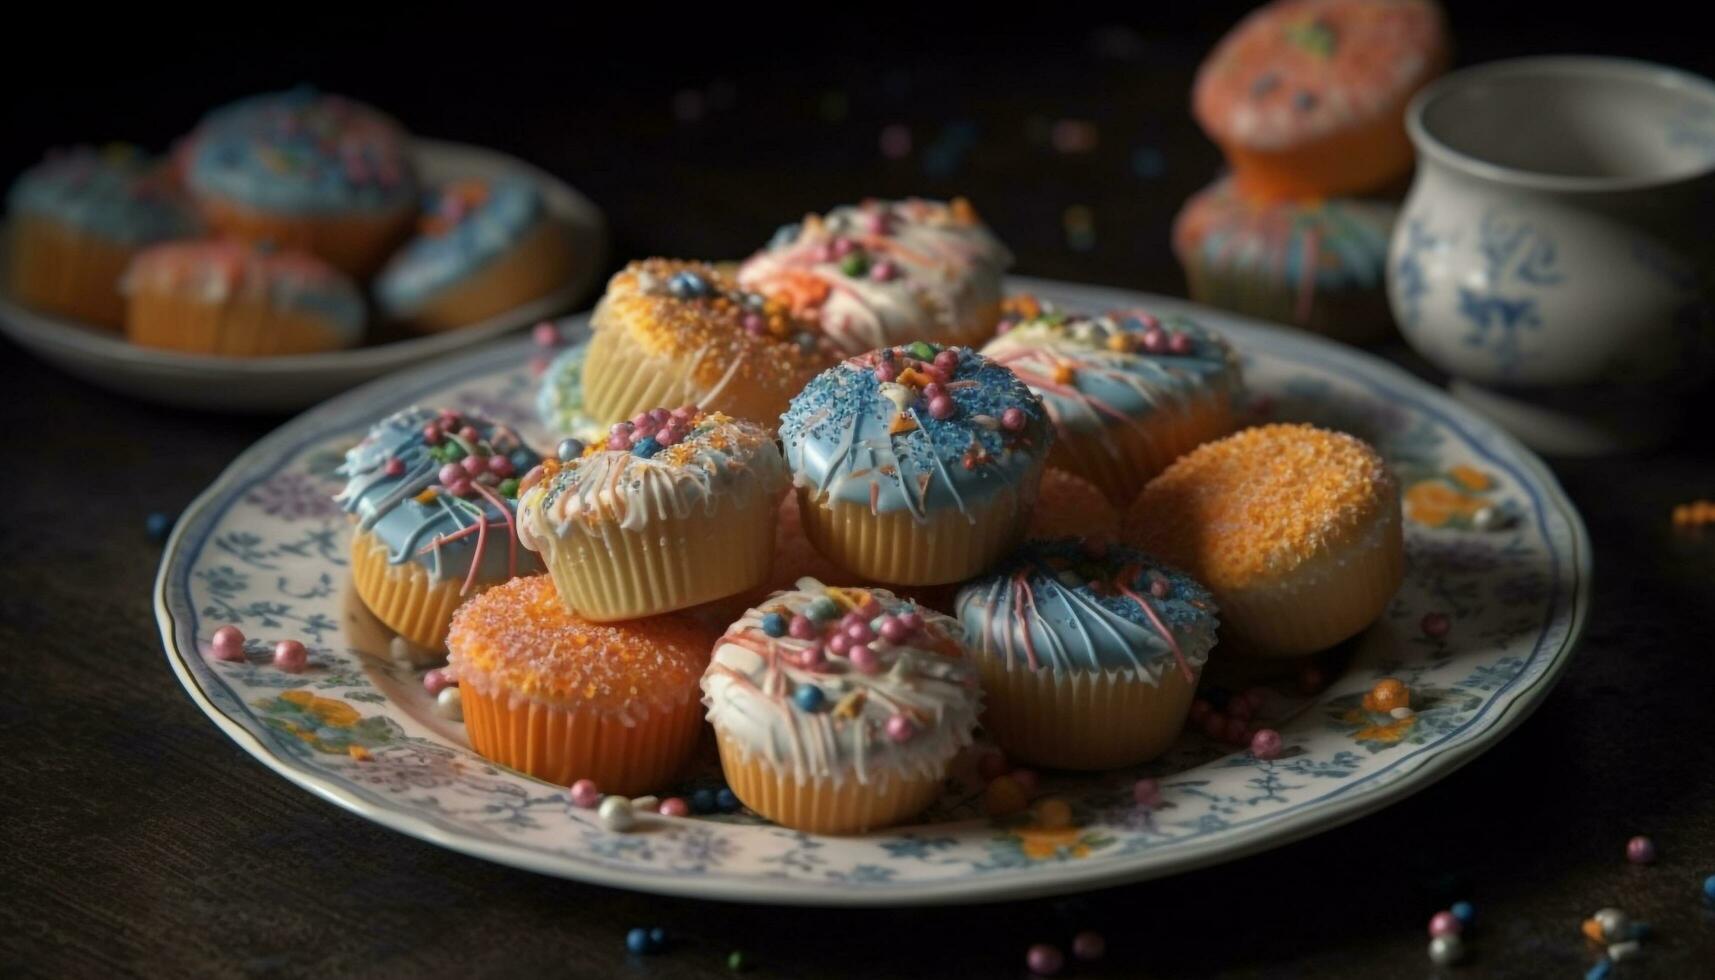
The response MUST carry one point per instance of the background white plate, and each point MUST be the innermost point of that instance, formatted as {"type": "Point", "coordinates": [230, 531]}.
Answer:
{"type": "Point", "coordinates": [264, 548]}
{"type": "Point", "coordinates": [276, 384]}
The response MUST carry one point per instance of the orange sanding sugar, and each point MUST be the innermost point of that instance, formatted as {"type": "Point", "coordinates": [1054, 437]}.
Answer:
{"type": "Point", "coordinates": [1261, 502]}
{"type": "Point", "coordinates": [519, 638]}
{"type": "Point", "coordinates": [1069, 505]}
{"type": "Point", "coordinates": [712, 328]}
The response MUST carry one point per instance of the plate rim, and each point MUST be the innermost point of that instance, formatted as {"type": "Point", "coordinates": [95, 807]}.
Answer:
{"type": "Point", "coordinates": [1324, 814]}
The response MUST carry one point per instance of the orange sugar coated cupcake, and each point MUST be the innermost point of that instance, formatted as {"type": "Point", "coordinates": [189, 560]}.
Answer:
{"type": "Point", "coordinates": [1296, 530]}
{"type": "Point", "coordinates": [671, 332]}
{"type": "Point", "coordinates": [1307, 97]}
{"type": "Point", "coordinates": [229, 297]}
{"type": "Point", "coordinates": [1070, 506]}
{"type": "Point", "coordinates": [563, 699]}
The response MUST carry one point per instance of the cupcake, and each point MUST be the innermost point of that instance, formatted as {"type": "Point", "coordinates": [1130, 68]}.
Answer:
{"type": "Point", "coordinates": [1127, 391]}
{"type": "Point", "coordinates": [1296, 531]}
{"type": "Point", "coordinates": [228, 297]}
{"type": "Point", "coordinates": [838, 710]}
{"type": "Point", "coordinates": [683, 333]}
{"type": "Point", "coordinates": [1307, 97]}
{"type": "Point", "coordinates": [1318, 264]}
{"type": "Point", "coordinates": [1067, 505]}
{"type": "Point", "coordinates": [434, 497]}
{"type": "Point", "coordinates": [76, 221]}
{"type": "Point", "coordinates": [482, 248]}
{"type": "Point", "coordinates": [675, 509]}
{"type": "Point", "coordinates": [1089, 654]}
{"type": "Point", "coordinates": [887, 272]}
{"type": "Point", "coordinates": [560, 397]}
{"type": "Point", "coordinates": [916, 465]}
{"type": "Point", "coordinates": [308, 171]}
{"type": "Point", "coordinates": [562, 699]}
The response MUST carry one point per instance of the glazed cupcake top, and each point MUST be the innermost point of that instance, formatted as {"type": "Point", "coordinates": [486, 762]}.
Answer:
{"type": "Point", "coordinates": [1332, 243]}
{"type": "Point", "coordinates": [464, 225]}
{"type": "Point", "coordinates": [221, 270]}
{"type": "Point", "coordinates": [560, 399]}
{"type": "Point", "coordinates": [302, 151]}
{"type": "Point", "coordinates": [1263, 502]}
{"type": "Point", "coordinates": [883, 272]}
{"type": "Point", "coordinates": [1068, 605]}
{"type": "Point", "coordinates": [841, 683]}
{"type": "Point", "coordinates": [1115, 368]}
{"type": "Point", "coordinates": [1297, 69]}
{"type": "Point", "coordinates": [518, 639]}
{"type": "Point", "coordinates": [440, 488]}
{"type": "Point", "coordinates": [731, 337]}
{"type": "Point", "coordinates": [116, 193]}
{"type": "Point", "coordinates": [917, 428]}
{"type": "Point", "coordinates": [660, 465]}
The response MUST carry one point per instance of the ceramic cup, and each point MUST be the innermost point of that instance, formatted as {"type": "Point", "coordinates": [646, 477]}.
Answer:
{"type": "Point", "coordinates": [1554, 252]}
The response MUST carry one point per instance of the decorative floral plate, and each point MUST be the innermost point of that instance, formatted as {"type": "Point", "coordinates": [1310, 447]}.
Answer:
{"type": "Point", "coordinates": [294, 381]}
{"type": "Point", "coordinates": [1486, 621]}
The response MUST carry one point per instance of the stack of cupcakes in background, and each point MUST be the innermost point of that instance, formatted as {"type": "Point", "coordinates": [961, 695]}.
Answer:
{"type": "Point", "coordinates": [1307, 99]}
{"type": "Point", "coordinates": [276, 227]}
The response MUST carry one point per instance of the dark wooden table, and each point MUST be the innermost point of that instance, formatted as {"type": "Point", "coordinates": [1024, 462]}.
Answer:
{"type": "Point", "coordinates": [138, 840]}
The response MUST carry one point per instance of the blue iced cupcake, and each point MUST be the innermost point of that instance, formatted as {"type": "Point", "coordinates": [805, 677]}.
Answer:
{"type": "Point", "coordinates": [435, 498]}
{"type": "Point", "coordinates": [1089, 653]}
{"type": "Point", "coordinates": [916, 465]}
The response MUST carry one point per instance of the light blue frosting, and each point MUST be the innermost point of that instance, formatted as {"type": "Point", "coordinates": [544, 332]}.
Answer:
{"type": "Point", "coordinates": [431, 264]}
{"type": "Point", "coordinates": [124, 197]}
{"type": "Point", "coordinates": [1131, 383]}
{"type": "Point", "coordinates": [302, 152]}
{"type": "Point", "coordinates": [1344, 240]}
{"type": "Point", "coordinates": [837, 438]}
{"type": "Point", "coordinates": [560, 399]}
{"type": "Point", "coordinates": [1057, 605]}
{"type": "Point", "coordinates": [387, 505]}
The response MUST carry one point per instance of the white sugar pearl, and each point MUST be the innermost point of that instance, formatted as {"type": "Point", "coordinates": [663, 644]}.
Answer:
{"type": "Point", "coordinates": [1625, 950]}
{"type": "Point", "coordinates": [449, 704]}
{"type": "Point", "coordinates": [615, 814]}
{"type": "Point", "coordinates": [1489, 519]}
{"type": "Point", "coordinates": [1446, 950]}
{"type": "Point", "coordinates": [1402, 712]}
{"type": "Point", "coordinates": [403, 651]}
{"type": "Point", "coordinates": [1614, 923]}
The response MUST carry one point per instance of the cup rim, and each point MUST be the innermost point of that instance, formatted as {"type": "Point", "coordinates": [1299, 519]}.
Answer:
{"type": "Point", "coordinates": [1584, 66]}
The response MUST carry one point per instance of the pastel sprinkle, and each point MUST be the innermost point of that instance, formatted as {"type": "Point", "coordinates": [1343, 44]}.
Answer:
{"type": "Point", "coordinates": [290, 656]}
{"type": "Point", "coordinates": [1044, 960]}
{"type": "Point", "coordinates": [1640, 850]}
{"type": "Point", "coordinates": [228, 644]}
{"type": "Point", "coordinates": [585, 794]}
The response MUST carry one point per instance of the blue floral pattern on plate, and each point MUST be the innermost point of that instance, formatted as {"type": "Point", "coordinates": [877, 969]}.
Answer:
{"type": "Point", "coordinates": [260, 550]}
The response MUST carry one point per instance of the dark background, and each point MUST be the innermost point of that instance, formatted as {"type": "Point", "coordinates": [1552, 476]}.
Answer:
{"type": "Point", "coordinates": [138, 840]}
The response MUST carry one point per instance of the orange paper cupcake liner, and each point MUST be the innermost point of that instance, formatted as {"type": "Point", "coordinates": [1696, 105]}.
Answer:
{"type": "Point", "coordinates": [1082, 719]}
{"type": "Point", "coordinates": [537, 266]}
{"type": "Point", "coordinates": [564, 744]}
{"type": "Point", "coordinates": [60, 270]}
{"type": "Point", "coordinates": [896, 549]}
{"type": "Point", "coordinates": [403, 596]}
{"type": "Point", "coordinates": [824, 806]}
{"type": "Point", "coordinates": [239, 329]}
{"type": "Point", "coordinates": [606, 573]}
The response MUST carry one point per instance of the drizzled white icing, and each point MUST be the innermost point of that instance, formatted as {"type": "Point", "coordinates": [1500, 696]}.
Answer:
{"type": "Point", "coordinates": [753, 682]}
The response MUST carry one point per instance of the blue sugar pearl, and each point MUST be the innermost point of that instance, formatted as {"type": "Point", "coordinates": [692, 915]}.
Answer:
{"type": "Point", "coordinates": [637, 940]}
{"type": "Point", "coordinates": [657, 939]}
{"type": "Point", "coordinates": [822, 609]}
{"type": "Point", "coordinates": [1709, 889]}
{"type": "Point", "coordinates": [157, 525]}
{"type": "Point", "coordinates": [808, 697]}
{"type": "Point", "coordinates": [1465, 912]}
{"type": "Point", "coordinates": [726, 800]}
{"type": "Point", "coordinates": [645, 447]}
{"type": "Point", "coordinates": [568, 450]}
{"type": "Point", "coordinates": [703, 801]}
{"type": "Point", "coordinates": [688, 285]}
{"type": "Point", "coordinates": [1601, 970]}
{"type": "Point", "coordinates": [774, 624]}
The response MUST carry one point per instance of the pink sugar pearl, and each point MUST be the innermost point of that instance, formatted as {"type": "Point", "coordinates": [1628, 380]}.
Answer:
{"type": "Point", "coordinates": [450, 473]}
{"type": "Point", "coordinates": [469, 434]}
{"type": "Point", "coordinates": [864, 659]}
{"type": "Point", "coordinates": [1640, 850]}
{"type": "Point", "coordinates": [474, 465]}
{"type": "Point", "coordinates": [545, 334]}
{"type": "Point", "coordinates": [228, 644]}
{"type": "Point", "coordinates": [913, 620]}
{"type": "Point", "coordinates": [885, 371]}
{"type": "Point", "coordinates": [883, 271]}
{"type": "Point", "coordinates": [501, 466]}
{"type": "Point", "coordinates": [813, 658]}
{"type": "Point", "coordinates": [660, 415]}
{"type": "Point", "coordinates": [1445, 924]}
{"type": "Point", "coordinates": [942, 408]}
{"type": "Point", "coordinates": [900, 728]}
{"type": "Point", "coordinates": [1012, 419]}
{"type": "Point", "coordinates": [436, 681]}
{"type": "Point", "coordinates": [839, 643]}
{"type": "Point", "coordinates": [1044, 960]}
{"type": "Point", "coordinates": [394, 467]}
{"type": "Point", "coordinates": [1179, 343]}
{"type": "Point", "coordinates": [802, 628]}
{"type": "Point", "coordinates": [674, 806]}
{"type": "Point", "coordinates": [860, 632]}
{"type": "Point", "coordinates": [290, 656]}
{"type": "Point", "coordinates": [869, 610]}
{"type": "Point", "coordinates": [1147, 792]}
{"type": "Point", "coordinates": [586, 794]}
{"type": "Point", "coordinates": [755, 324]}
{"type": "Point", "coordinates": [459, 487]}
{"type": "Point", "coordinates": [894, 631]}
{"type": "Point", "coordinates": [947, 361]}
{"type": "Point", "coordinates": [1266, 744]}
{"type": "Point", "coordinates": [617, 440]}
{"type": "Point", "coordinates": [1089, 945]}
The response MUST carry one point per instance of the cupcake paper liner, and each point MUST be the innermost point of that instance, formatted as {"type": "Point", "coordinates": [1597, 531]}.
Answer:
{"type": "Point", "coordinates": [1082, 719]}
{"type": "Point", "coordinates": [1120, 459]}
{"type": "Point", "coordinates": [64, 271]}
{"type": "Point", "coordinates": [403, 596]}
{"type": "Point", "coordinates": [894, 548]}
{"type": "Point", "coordinates": [824, 805]}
